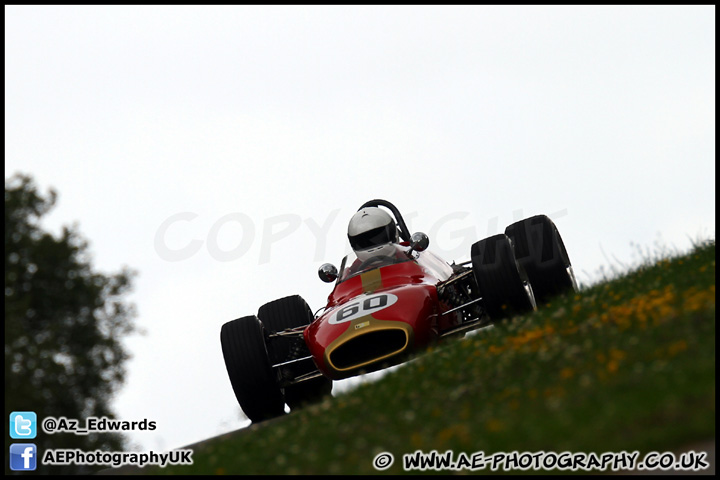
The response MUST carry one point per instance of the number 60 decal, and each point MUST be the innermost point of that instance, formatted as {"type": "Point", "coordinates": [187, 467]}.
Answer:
{"type": "Point", "coordinates": [361, 308]}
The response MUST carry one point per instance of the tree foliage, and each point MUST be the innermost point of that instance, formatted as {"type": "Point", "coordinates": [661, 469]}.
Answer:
{"type": "Point", "coordinates": [63, 325]}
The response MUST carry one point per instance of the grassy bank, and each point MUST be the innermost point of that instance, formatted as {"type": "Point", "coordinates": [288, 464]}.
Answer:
{"type": "Point", "coordinates": [628, 364]}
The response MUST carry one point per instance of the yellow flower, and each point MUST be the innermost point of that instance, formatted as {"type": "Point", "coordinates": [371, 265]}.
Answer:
{"type": "Point", "coordinates": [495, 350]}
{"type": "Point", "coordinates": [617, 354]}
{"type": "Point", "coordinates": [677, 347]}
{"type": "Point", "coordinates": [494, 425]}
{"type": "Point", "coordinates": [459, 431]}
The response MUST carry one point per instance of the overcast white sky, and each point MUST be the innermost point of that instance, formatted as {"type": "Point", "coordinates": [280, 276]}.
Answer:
{"type": "Point", "coordinates": [221, 150]}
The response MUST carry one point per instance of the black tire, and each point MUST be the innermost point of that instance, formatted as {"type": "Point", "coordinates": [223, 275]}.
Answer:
{"type": "Point", "coordinates": [249, 369]}
{"type": "Point", "coordinates": [281, 314]}
{"type": "Point", "coordinates": [502, 282]}
{"type": "Point", "coordinates": [541, 252]}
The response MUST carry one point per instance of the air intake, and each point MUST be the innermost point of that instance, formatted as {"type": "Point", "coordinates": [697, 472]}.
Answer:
{"type": "Point", "coordinates": [369, 347]}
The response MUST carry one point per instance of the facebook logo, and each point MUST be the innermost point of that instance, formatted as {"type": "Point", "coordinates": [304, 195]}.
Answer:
{"type": "Point", "coordinates": [23, 456]}
{"type": "Point", "coordinates": [23, 425]}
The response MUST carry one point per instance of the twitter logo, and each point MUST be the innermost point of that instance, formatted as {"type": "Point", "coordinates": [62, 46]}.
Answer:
{"type": "Point", "coordinates": [23, 425]}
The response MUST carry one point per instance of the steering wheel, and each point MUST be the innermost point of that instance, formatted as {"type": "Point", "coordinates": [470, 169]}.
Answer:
{"type": "Point", "coordinates": [371, 260]}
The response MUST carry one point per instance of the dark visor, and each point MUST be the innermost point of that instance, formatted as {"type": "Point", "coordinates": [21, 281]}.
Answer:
{"type": "Point", "coordinates": [371, 238]}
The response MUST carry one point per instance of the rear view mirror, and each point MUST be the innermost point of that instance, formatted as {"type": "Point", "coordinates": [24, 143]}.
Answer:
{"type": "Point", "coordinates": [327, 272]}
{"type": "Point", "coordinates": [419, 242]}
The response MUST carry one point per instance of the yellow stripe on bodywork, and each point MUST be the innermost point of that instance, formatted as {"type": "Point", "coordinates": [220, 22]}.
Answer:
{"type": "Point", "coordinates": [371, 280]}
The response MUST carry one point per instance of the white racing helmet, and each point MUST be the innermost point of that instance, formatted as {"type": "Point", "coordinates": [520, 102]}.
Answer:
{"type": "Point", "coordinates": [372, 232]}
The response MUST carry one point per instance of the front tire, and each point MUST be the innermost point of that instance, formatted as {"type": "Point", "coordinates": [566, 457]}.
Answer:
{"type": "Point", "coordinates": [249, 369]}
{"type": "Point", "coordinates": [502, 282]}
{"type": "Point", "coordinates": [282, 314]}
{"type": "Point", "coordinates": [541, 252]}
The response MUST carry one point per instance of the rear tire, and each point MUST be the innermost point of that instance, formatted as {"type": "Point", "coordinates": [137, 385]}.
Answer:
{"type": "Point", "coordinates": [282, 314]}
{"type": "Point", "coordinates": [249, 369]}
{"type": "Point", "coordinates": [502, 282]}
{"type": "Point", "coordinates": [539, 249]}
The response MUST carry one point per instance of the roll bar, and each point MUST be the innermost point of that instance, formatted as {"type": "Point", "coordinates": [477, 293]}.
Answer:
{"type": "Point", "coordinates": [404, 232]}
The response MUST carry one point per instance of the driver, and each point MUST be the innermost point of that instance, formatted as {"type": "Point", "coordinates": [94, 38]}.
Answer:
{"type": "Point", "coordinates": [372, 233]}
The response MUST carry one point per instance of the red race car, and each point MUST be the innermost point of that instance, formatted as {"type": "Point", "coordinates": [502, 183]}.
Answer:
{"type": "Point", "coordinates": [392, 297]}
